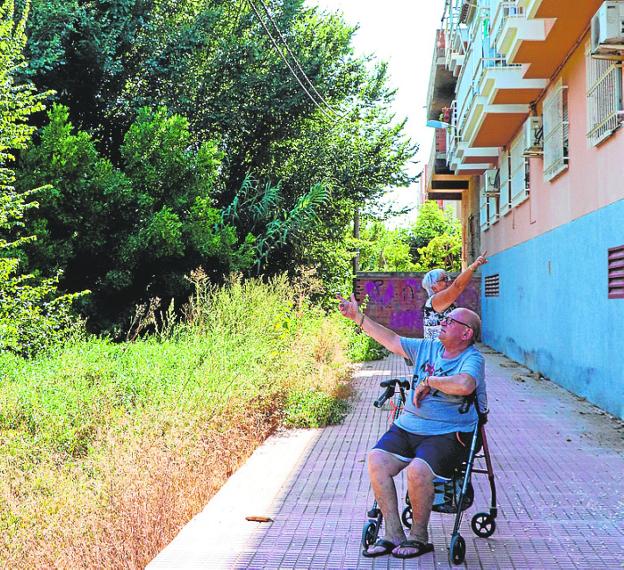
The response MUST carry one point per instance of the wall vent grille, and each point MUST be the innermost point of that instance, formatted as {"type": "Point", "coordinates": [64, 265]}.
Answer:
{"type": "Point", "coordinates": [616, 272]}
{"type": "Point", "coordinates": [492, 285]}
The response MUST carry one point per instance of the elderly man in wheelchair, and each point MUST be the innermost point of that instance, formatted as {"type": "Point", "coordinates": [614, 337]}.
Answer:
{"type": "Point", "coordinates": [430, 438]}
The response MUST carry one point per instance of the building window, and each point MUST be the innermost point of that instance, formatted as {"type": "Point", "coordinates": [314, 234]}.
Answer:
{"type": "Point", "coordinates": [483, 212]}
{"type": "Point", "coordinates": [505, 196]}
{"type": "Point", "coordinates": [555, 131]}
{"type": "Point", "coordinates": [492, 285]}
{"type": "Point", "coordinates": [489, 197]}
{"type": "Point", "coordinates": [616, 272]}
{"type": "Point", "coordinates": [492, 202]}
{"type": "Point", "coordinates": [473, 242]}
{"type": "Point", "coordinates": [604, 97]}
{"type": "Point", "coordinates": [519, 167]}
{"type": "Point", "coordinates": [493, 209]}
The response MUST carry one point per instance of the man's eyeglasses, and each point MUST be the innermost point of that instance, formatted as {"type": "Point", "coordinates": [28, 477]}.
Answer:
{"type": "Point", "coordinates": [449, 320]}
{"type": "Point", "coordinates": [446, 278]}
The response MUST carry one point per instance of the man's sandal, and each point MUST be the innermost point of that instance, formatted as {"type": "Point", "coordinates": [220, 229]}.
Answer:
{"type": "Point", "coordinates": [387, 546]}
{"type": "Point", "coordinates": [420, 548]}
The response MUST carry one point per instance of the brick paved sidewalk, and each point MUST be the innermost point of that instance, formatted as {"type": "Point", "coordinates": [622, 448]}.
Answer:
{"type": "Point", "coordinates": [559, 466]}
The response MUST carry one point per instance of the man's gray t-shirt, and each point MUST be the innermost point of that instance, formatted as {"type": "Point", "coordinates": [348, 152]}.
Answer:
{"type": "Point", "coordinates": [441, 413]}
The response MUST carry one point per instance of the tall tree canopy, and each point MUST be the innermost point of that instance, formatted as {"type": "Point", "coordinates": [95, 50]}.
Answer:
{"type": "Point", "coordinates": [134, 73]}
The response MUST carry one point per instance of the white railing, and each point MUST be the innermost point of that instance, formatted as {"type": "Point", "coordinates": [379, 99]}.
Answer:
{"type": "Point", "coordinates": [604, 97]}
{"type": "Point", "coordinates": [492, 209]}
{"type": "Point", "coordinates": [453, 135]}
{"type": "Point", "coordinates": [472, 73]}
{"type": "Point", "coordinates": [504, 11]}
{"type": "Point", "coordinates": [452, 25]}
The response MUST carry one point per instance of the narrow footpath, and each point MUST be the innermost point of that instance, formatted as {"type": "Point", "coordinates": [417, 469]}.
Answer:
{"type": "Point", "coordinates": [559, 465]}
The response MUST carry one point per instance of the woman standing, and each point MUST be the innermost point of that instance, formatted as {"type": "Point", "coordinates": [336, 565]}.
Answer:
{"type": "Point", "coordinates": [442, 293]}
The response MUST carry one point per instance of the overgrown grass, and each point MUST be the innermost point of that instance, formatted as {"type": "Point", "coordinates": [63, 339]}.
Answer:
{"type": "Point", "coordinates": [108, 449]}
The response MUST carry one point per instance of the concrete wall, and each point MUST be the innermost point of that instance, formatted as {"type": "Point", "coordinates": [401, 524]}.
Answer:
{"type": "Point", "coordinates": [396, 300]}
{"type": "Point", "coordinates": [553, 313]}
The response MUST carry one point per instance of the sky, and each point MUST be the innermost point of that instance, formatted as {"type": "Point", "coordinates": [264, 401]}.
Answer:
{"type": "Point", "coordinates": [401, 32]}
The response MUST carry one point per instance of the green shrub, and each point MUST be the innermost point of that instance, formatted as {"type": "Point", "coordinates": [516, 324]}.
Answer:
{"type": "Point", "coordinates": [363, 348]}
{"type": "Point", "coordinates": [314, 409]}
{"type": "Point", "coordinates": [33, 315]}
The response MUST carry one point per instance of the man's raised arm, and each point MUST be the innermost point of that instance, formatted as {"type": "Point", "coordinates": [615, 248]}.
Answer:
{"type": "Point", "coordinates": [384, 336]}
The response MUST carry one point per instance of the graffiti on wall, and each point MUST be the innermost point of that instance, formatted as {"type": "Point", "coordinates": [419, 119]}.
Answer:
{"type": "Point", "coordinates": [396, 300]}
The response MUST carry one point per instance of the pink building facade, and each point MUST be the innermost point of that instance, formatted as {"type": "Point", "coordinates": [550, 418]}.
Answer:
{"type": "Point", "coordinates": [536, 149]}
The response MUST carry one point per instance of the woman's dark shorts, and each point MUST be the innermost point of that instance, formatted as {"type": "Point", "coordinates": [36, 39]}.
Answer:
{"type": "Point", "coordinates": [443, 453]}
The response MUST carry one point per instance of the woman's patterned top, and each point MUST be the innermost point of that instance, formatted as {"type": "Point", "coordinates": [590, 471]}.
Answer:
{"type": "Point", "coordinates": [431, 319]}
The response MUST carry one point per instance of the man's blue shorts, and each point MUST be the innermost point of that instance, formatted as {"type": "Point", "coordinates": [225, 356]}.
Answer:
{"type": "Point", "coordinates": [443, 453]}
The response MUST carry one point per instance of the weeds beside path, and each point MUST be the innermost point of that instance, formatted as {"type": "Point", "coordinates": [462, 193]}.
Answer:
{"type": "Point", "coordinates": [108, 449]}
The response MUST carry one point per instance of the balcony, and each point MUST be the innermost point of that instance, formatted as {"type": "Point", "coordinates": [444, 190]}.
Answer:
{"type": "Point", "coordinates": [462, 159]}
{"type": "Point", "coordinates": [473, 161]}
{"type": "Point", "coordinates": [456, 53]}
{"type": "Point", "coordinates": [440, 182]}
{"type": "Point", "coordinates": [503, 84]}
{"type": "Point", "coordinates": [441, 81]}
{"type": "Point", "coordinates": [482, 122]}
{"type": "Point", "coordinates": [511, 27]}
{"type": "Point", "coordinates": [564, 25]}
{"type": "Point", "coordinates": [493, 95]}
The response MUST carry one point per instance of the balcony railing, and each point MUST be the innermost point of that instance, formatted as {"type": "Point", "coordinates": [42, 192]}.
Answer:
{"type": "Point", "coordinates": [453, 135]}
{"type": "Point", "coordinates": [504, 11]}
{"type": "Point", "coordinates": [453, 27]}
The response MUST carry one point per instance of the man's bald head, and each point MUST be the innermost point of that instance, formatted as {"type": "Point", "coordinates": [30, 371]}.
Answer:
{"type": "Point", "coordinates": [460, 329]}
{"type": "Point", "coordinates": [471, 319]}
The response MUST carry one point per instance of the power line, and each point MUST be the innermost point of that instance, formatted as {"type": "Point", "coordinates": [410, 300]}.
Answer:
{"type": "Point", "coordinates": [293, 72]}
{"type": "Point", "coordinates": [294, 57]}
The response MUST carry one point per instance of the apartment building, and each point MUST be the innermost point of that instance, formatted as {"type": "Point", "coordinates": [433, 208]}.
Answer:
{"type": "Point", "coordinates": [531, 91]}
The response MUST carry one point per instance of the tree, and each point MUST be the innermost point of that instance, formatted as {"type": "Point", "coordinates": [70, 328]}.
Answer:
{"type": "Point", "coordinates": [122, 232]}
{"type": "Point", "coordinates": [211, 63]}
{"type": "Point", "coordinates": [435, 239]}
{"type": "Point", "coordinates": [32, 314]}
{"type": "Point", "coordinates": [80, 50]}
{"type": "Point", "coordinates": [382, 249]}
{"type": "Point", "coordinates": [136, 231]}
{"type": "Point", "coordinates": [442, 251]}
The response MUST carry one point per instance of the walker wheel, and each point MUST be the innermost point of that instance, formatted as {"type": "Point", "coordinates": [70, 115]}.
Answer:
{"type": "Point", "coordinates": [369, 534]}
{"type": "Point", "coordinates": [406, 516]}
{"type": "Point", "coordinates": [483, 525]}
{"type": "Point", "coordinates": [457, 550]}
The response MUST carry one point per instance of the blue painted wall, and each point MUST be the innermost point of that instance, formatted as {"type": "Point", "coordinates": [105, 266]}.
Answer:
{"type": "Point", "coordinates": [553, 313]}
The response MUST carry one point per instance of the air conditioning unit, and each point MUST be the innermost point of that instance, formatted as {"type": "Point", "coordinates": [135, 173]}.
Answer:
{"type": "Point", "coordinates": [607, 27]}
{"type": "Point", "coordinates": [491, 183]}
{"type": "Point", "coordinates": [533, 137]}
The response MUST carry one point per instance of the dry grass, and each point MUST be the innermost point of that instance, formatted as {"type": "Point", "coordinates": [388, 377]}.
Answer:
{"type": "Point", "coordinates": [151, 487]}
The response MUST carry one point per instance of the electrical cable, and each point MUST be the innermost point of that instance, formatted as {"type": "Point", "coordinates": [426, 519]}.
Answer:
{"type": "Point", "coordinates": [279, 51]}
{"type": "Point", "coordinates": [294, 57]}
